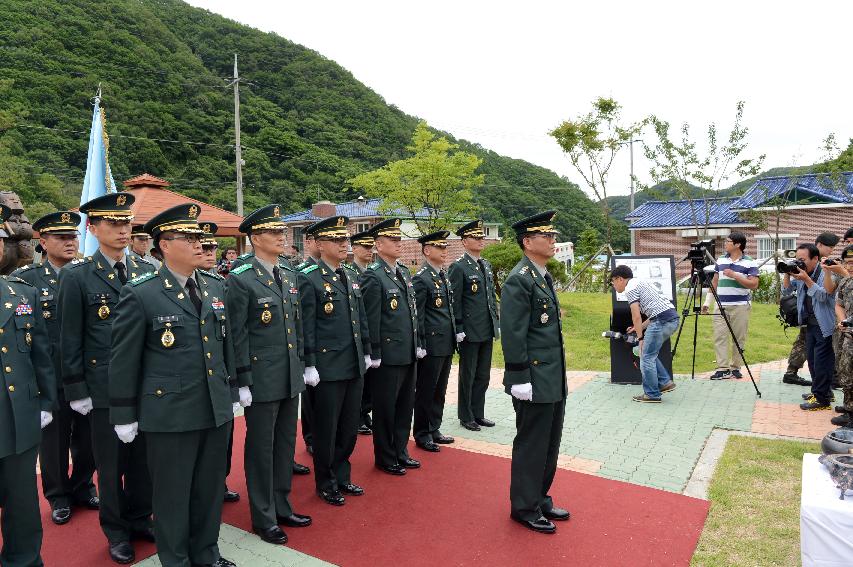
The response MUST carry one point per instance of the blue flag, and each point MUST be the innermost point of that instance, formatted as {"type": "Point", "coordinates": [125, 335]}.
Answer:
{"type": "Point", "coordinates": [99, 178]}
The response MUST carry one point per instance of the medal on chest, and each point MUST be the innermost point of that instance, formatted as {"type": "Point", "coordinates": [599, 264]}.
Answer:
{"type": "Point", "coordinates": [168, 337]}
{"type": "Point", "coordinates": [394, 303]}
{"type": "Point", "coordinates": [266, 316]}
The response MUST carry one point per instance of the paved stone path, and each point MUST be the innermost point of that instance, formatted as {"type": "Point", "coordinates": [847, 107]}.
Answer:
{"type": "Point", "coordinates": [607, 434]}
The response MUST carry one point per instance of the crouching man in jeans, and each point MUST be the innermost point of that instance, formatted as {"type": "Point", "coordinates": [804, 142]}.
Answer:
{"type": "Point", "coordinates": [661, 323]}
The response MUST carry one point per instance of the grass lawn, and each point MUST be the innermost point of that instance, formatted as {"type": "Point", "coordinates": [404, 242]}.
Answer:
{"type": "Point", "coordinates": [755, 504]}
{"type": "Point", "coordinates": [588, 314]}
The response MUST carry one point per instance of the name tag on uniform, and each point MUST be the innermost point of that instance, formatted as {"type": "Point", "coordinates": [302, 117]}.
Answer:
{"type": "Point", "coordinates": [167, 318]}
{"type": "Point", "coordinates": [264, 300]}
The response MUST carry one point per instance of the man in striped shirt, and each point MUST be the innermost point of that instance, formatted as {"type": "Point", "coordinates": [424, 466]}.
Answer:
{"type": "Point", "coordinates": [736, 277]}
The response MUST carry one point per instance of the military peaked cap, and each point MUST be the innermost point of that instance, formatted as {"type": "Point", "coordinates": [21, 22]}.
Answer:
{"type": "Point", "coordinates": [180, 218]}
{"type": "Point", "coordinates": [60, 222]}
{"type": "Point", "coordinates": [540, 223]}
{"type": "Point", "coordinates": [473, 229]}
{"type": "Point", "coordinates": [265, 218]}
{"type": "Point", "coordinates": [112, 206]}
{"type": "Point", "coordinates": [331, 227]}
{"type": "Point", "coordinates": [388, 227]}
{"type": "Point", "coordinates": [438, 239]}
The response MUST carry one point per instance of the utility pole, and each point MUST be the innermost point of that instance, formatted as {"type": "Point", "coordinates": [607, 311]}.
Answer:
{"type": "Point", "coordinates": [631, 199]}
{"type": "Point", "coordinates": [237, 149]}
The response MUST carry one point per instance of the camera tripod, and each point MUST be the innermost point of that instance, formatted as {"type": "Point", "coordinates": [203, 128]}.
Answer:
{"type": "Point", "coordinates": [694, 298]}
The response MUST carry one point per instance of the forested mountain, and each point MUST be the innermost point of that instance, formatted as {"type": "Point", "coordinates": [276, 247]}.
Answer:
{"type": "Point", "coordinates": [307, 124]}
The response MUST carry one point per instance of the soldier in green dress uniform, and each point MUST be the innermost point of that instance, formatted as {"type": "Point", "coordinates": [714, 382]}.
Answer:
{"type": "Point", "coordinates": [27, 400]}
{"type": "Point", "coordinates": [437, 328]}
{"type": "Point", "coordinates": [312, 254]}
{"type": "Point", "coordinates": [337, 353]}
{"type": "Point", "coordinates": [362, 256]}
{"type": "Point", "coordinates": [172, 377]}
{"type": "Point", "coordinates": [140, 246]}
{"type": "Point", "coordinates": [69, 431]}
{"type": "Point", "coordinates": [263, 304]}
{"type": "Point", "coordinates": [476, 311]}
{"type": "Point", "coordinates": [88, 294]}
{"type": "Point", "coordinates": [535, 374]}
{"type": "Point", "coordinates": [389, 300]}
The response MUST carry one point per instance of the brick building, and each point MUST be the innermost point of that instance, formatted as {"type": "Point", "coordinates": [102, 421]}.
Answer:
{"type": "Point", "coordinates": [815, 205]}
{"type": "Point", "coordinates": [364, 213]}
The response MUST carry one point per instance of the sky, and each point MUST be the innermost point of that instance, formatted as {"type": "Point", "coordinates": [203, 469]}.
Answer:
{"type": "Point", "coordinates": [502, 74]}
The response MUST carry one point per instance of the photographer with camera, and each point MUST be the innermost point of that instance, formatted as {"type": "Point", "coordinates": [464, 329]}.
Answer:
{"type": "Point", "coordinates": [662, 321]}
{"type": "Point", "coordinates": [816, 311]}
{"type": "Point", "coordinates": [735, 278]}
{"type": "Point", "coordinates": [844, 360]}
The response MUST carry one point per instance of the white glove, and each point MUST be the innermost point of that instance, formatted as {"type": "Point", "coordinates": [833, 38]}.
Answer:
{"type": "Point", "coordinates": [236, 407]}
{"type": "Point", "coordinates": [83, 406]}
{"type": "Point", "coordinates": [311, 376]}
{"type": "Point", "coordinates": [127, 432]}
{"type": "Point", "coordinates": [460, 337]}
{"type": "Point", "coordinates": [420, 352]}
{"type": "Point", "coordinates": [367, 362]}
{"type": "Point", "coordinates": [46, 418]}
{"type": "Point", "coordinates": [375, 362]}
{"type": "Point", "coordinates": [245, 396]}
{"type": "Point", "coordinates": [522, 392]}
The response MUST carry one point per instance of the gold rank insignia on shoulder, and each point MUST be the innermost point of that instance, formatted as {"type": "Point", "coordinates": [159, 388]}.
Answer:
{"type": "Point", "coordinates": [266, 316]}
{"type": "Point", "coordinates": [103, 311]}
{"type": "Point", "coordinates": [394, 303]}
{"type": "Point", "coordinates": [328, 308]}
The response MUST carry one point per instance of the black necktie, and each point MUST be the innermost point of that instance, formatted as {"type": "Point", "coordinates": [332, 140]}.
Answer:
{"type": "Point", "coordinates": [276, 273]}
{"type": "Point", "coordinates": [192, 287]}
{"type": "Point", "coordinates": [122, 273]}
{"type": "Point", "coordinates": [550, 281]}
{"type": "Point", "coordinates": [482, 266]}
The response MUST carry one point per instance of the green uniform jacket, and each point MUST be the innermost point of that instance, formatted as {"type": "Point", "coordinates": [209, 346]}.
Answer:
{"type": "Point", "coordinates": [474, 302]}
{"type": "Point", "coordinates": [249, 256]}
{"type": "Point", "coordinates": [46, 282]}
{"type": "Point", "coordinates": [436, 323]}
{"type": "Point", "coordinates": [334, 322]}
{"type": "Point", "coordinates": [392, 313]}
{"type": "Point", "coordinates": [29, 382]}
{"type": "Point", "coordinates": [89, 290]}
{"type": "Point", "coordinates": [533, 342]}
{"type": "Point", "coordinates": [171, 369]}
{"type": "Point", "coordinates": [266, 326]}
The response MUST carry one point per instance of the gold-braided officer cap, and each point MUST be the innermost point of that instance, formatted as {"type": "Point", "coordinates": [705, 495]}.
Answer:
{"type": "Point", "coordinates": [540, 223]}
{"type": "Point", "coordinates": [209, 229]}
{"type": "Point", "coordinates": [438, 239]}
{"type": "Point", "coordinates": [265, 218]}
{"type": "Point", "coordinates": [112, 206]}
{"type": "Point", "coordinates": [473, 228]}
{"type": "Point", "coordinates": [362, 239]}
{"type": "Point", "coordinates": [180, 218]}
{"type": "Point", "coordinates": [331, 227]}
{"type": "Point", "coordinates": [388, 227]}
{"type": "Point", "coordinates": [60, 222]}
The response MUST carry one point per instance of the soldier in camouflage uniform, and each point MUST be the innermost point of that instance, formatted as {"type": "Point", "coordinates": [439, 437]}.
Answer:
{"type": "Point", "coordinates": [844, 362]}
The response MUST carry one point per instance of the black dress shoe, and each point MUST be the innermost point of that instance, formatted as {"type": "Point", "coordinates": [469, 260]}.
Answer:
{"type": "Point", "coordinates": [335, 498]}
{"type": "Point", "coordinates": [397, 470]}
{"type": "Point", "coordinates": [145, 534]}
{"type": "Point", "coordinates": [273, 534]}
{"type": "Point", "coordinates": [542, 524]}
{"type": "Point", "coordinates": [410, 463]}
{"type": "Point", "coordinates": [443, 439]}
{"type": "Point", "coordinates": [485, 422]}
{"type": "Point", "coordinates": [122, 552]}
{"type": "Point", "coordinates": [470, 425]}
{"type": "Point", "coordinates": [364, 430]}
{"type": "Point", "coordinates": [429, 446]}
{"type": "Point", "coordinates": [300, 469]}
{"type": "Point", "coordinates": [61, 515]}
{"type": "Point", "coordinates": [231, 496]}
{"type": "Point", "coordinates": [91, 503]}
{"type": "Point", "coordinates": [295, 520]}
{"type": "Point", "coordinates": [222, 562]}
{"type": "Point", "coordinates": [557, 514]}
{"type": "Point", "coordinates": [352, 489]}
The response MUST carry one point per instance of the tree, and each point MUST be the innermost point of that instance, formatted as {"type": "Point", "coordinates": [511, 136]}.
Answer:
{"type": "Point", "coordinates": [591, 142]}
{"type": "Point", "coordinates": [433, 186]}
{"type": "Point", "coordinates": [680, 164]}
{"type": "Point", "coordinates": [589, 243]}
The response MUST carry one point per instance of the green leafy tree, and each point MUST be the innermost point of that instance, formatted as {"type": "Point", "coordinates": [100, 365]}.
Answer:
{"type": "Point", "coordinates": [433, 186]}
{"type": "Point", "coordinates": [588, 243]}
{"type": "Point", "coordinates": [686, 167]}
{"type": "Point", "coordinates": [591, 142]}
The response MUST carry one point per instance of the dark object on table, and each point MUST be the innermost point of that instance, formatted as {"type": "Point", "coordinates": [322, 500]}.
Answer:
{"type": "Point", "coordinates": [838, 442]}
{"type": "Point", "coordinates": [840, 470]}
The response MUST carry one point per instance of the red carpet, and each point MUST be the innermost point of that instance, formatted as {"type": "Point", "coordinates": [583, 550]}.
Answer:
{"type": "Point", "coordinates": [452, 511]}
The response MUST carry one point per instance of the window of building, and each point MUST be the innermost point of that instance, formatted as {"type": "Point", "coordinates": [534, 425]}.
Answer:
{"type": "Point", "coordinates": [297, 238]}
{"type": "Point", "coordinates": [765, 245]}
{"type": "Point", "coordinates": [362, 226]}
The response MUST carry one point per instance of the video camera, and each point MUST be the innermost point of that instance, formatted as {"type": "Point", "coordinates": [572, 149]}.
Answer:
{"type": "Point", "coordinates": [790, 264]}
{"type": "Point", "coordinates": [699, 254]}
{"type": "Point", "coordinates": [847, 323]}
{"type": "Point", "coordinates": [629, 338]}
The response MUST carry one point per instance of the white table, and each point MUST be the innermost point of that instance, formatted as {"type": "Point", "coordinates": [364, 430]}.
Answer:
{"type": "Point", "coordinates": [826, 521]}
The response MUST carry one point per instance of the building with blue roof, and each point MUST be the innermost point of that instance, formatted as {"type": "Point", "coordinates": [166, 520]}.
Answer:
{"type": "Point", "coordinates": [810, 204]}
